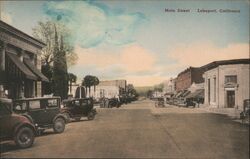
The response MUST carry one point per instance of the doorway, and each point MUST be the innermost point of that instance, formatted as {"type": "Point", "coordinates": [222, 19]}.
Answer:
{"type": "Point", "coordinates": [230, 99]}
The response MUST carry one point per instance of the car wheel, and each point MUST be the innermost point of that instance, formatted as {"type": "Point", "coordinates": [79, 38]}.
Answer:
{"type": "Point", "coordinates": [24, 137]}
{"type": "Point", "coordinates": [91, 116]}
{"type": "Point", "coordinates": [59, 125]}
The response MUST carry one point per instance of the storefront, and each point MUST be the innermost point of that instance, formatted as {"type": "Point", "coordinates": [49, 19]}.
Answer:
{"type": "Point", "coordinates": [20, 64]}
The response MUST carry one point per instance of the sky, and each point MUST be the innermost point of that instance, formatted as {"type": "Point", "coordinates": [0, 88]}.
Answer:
{"type": "Point", "coordinates": [140, 40]}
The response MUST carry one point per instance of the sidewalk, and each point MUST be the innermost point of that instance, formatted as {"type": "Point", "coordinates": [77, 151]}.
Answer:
{"type": "Point", "coordinates": [233, 113]}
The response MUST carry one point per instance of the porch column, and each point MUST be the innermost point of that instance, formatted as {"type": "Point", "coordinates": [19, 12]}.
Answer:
{"type": "Point", "coordinates": [2, 68]}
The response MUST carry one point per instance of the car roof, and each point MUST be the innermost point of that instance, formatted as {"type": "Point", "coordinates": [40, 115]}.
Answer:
{"type": "Point", "coordinates": [5, 100]}
{"type": "Point", "coordinates": [39, 98]}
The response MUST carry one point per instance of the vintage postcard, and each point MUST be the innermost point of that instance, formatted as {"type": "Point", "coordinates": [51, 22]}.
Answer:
{"type": "Point", "coordinates": [124, 79]}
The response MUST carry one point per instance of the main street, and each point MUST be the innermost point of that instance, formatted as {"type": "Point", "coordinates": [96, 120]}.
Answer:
{"type": "Point", "coordinates": [141, 130]}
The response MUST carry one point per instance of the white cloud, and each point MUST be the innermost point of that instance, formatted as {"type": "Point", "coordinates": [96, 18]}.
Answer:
{"type": "Point", "coordinates": [199, 54]}
{"type": "Point", "coordinates": [131, 59]}
{"type": "Point", "coordinates": [137, 59]}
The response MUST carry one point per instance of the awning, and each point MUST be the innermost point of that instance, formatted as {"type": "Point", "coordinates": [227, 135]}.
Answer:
{"type": "Point", "coordinates": [197, 94]}
{"type": "Point", "coordinates": [34, 70]}
{"type": "Point", "coordinates": [21, 67]}
{"type": "Point", "coordinates": [186, 92]}
{"type": "Point", "coordinates": [178, 94]}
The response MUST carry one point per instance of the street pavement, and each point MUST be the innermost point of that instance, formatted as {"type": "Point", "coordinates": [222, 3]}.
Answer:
{"type": "Point", "coordinates": [139, 130]}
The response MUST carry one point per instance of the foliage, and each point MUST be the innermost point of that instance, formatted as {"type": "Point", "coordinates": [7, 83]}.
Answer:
{"type": "Point", "coordinates": [131, 91]}
{"type": "Point", "coordinates": [149, 93]}
{"type": "Point", "coordinates": [45, 32]}
{"type": "Point", "coordinates": [159, 87]}
{"type": "Point", "coordinates": [72, 79]}
{"type": "Point", "coordinates": [89, 81]}
{"type": "Point", "coordinates": [60, 73]}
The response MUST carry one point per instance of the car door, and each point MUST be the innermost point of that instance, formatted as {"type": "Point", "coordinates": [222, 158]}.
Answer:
{"type": "Point", "coordinates": [37, 110]}
{"type": "Point", "coordinates": [5, 119]}
{"type": "Point", "coordinates": [77, 107]}
{"type": "Point", "coordinates": [53, 108]}
{"type": "Point", "coordinates": [84, 106]}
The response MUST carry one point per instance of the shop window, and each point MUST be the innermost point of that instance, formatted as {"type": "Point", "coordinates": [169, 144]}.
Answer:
{"type": "Point", "coordinates": [231, 79]}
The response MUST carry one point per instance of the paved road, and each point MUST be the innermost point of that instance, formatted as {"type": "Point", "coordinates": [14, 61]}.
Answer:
{"type": "Point", "coordinates": [140, 130]}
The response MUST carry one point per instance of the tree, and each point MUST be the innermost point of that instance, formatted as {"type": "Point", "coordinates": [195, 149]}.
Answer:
{"type": "Point", "coordinates": [149, 93]}
{"type": "Point", "coordinates": [89, 81]}
{"type": "Point", "coordinates": [96, 82]}
{"type": "Point", "coordinates": [60, 73]}
{"type": "Point", "coordinates": [45, 32]}
{"type": "Point", "coordinates": [72, 79]}
{"type": "Point", "coordinates": [131, 91]}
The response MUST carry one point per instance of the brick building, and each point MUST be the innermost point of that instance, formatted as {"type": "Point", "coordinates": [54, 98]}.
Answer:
{"type": "Point", "coordinates": [20, 63]}
{"type": "Point", "coordinates": [191, 75]}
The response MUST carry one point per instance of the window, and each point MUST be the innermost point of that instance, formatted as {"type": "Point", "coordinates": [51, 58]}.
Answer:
{"type": "Point", "coordinates": [52, 102]}
{"type": "Point", "coordinates": [35, 104]}
{"type": "Point", "coordinates": [20, 106]}
{"type": "Point", "coordinates": [231, 79]}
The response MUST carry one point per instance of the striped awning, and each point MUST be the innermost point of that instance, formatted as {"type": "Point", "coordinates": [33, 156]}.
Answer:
{"type": "Point", "coordinates": [17, 68]}
{"type": "Point", "coordinates": [197, 94]}
{"type": "Point", "coordinates": [34, 70]}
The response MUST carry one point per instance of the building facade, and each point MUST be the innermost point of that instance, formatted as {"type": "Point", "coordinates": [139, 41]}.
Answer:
{"type": "Point", "coordinates": [170, 86]}
{"type": "Point", "coordinates": [185, 79]}
{"type": "Point", "coordinates": [227, 83]}
{"type": "Point", "coordinates": [121, 84]}
{"type": "Point", "coordinates": [20, 64]}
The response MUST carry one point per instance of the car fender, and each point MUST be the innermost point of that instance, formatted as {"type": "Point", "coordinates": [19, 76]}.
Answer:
{"type": "Point", "coordinates": [20, 125]}
{"type": "Point", "coordinates": [29, 118]}
{"type": "Point", "coordinates": [66, 111]}
{"type": "Point", "coordinates": [60, 116]}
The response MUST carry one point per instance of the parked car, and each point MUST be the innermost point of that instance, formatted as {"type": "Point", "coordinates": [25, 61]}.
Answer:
{"type": "Point", "coordinates": [114, 102]}
{"type": "Point", "coordinates": [43, 112]}
{"type": "Point", "coordinates": [159, 102]}
{"type": "Point", "coordinates": [245, 114]}
{"type": "Point", "coordinates": [15, 127]}
{"type": "Point", "coordinates": [79, 107]}
{"type": "Point", "coordinates": [110, 102]}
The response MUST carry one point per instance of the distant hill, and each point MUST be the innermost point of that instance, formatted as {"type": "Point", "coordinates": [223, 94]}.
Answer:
{"type": "Point", "coordinates": [142, 91]}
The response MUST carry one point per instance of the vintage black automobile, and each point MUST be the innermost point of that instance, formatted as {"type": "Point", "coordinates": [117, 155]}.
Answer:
{"type": "Point", "coordinates": [110, 103]}
{"type": "Point", "coordinates": [76, 108]}
{"type": "Point", "coordinates": [43, 112]}
{"type": "Point", "coordinates": [15, 127]}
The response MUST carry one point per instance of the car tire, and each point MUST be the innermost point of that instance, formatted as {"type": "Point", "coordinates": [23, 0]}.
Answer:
{"type": "Point", "coordinates": [24, 137]}
{"type": "Point", "coordinates": [91, 115]}
{"type": "Point", "coordinates": [59, 125]}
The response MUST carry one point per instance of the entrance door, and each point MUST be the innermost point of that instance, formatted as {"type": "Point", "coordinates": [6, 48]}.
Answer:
{"type": "Point", "coordinates": [230, 99]}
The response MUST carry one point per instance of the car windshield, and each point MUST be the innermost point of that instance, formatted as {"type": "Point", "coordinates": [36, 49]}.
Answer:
{"type": "Point", "coordinates": [20, 106]}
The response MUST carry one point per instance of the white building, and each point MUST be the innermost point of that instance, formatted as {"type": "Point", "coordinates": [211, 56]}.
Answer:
{"type": "Point", "coordinates": [227, 83]}
{"type": "Point", "coordinates": [169, 86]}
{"type": "Point", "coordinates": [103, 91]}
